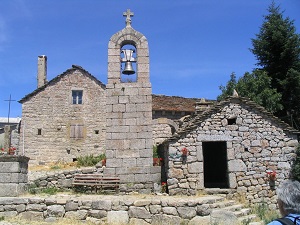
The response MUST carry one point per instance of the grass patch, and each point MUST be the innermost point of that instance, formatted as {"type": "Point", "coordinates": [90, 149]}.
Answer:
{"type": "Point", "coordinates": [89, 160]}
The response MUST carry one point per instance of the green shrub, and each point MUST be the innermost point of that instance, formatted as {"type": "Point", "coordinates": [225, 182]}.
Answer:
{"type": "Point", "coordinates": [265, 213]}
{"type": "Point", "coordinates": [55, 167]}
{"type": "Point", "coordinates": [49, 190]}
{"type": "Point", "coordinates": [155, 153]}
{"type": "Point", "coordinates": [1, 218]}
{"type": "Point", "coordinates": [295, 171]}
{"type": "Point", "coordinates": [89, 160]}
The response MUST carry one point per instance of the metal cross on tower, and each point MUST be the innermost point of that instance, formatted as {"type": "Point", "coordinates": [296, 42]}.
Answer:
{"type": "Point", "coordinates": [128, 14]}
{"type": "Point", "coordinates": [9, 101]}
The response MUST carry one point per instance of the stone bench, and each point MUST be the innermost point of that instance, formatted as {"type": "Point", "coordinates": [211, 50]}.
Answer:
{"type": "Point", "coordinates": [96, 181]}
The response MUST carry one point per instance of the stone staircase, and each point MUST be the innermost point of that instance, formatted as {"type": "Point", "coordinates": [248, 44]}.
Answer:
{"type": "Point", "coordinates": [225, 209]}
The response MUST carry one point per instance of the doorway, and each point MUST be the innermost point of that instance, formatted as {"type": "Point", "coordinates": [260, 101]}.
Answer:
{"type": "Point", "coordinates": [215, 164]}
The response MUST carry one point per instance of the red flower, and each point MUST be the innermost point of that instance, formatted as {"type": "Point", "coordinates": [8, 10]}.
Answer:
{"type": "Point", "coordinates": [2, 149]}
{"type": "Point", "coordinates": [163, 183]}
{"type": "Point", "coordinates": [161, 159]}
{"type": "Point", "coordinates": [184, 151]}
{"type": "Point", "coordinates": [271, 175]}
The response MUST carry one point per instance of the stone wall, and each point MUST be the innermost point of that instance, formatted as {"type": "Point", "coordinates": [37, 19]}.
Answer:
{"type": "Point", "coordinates": [48, 114]}
{"type": "Point", "coordinates": [255, 144]}
{"type": "Point", "coordinates": [113, 209]}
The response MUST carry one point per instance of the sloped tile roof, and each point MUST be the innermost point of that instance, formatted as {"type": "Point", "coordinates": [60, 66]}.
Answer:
{"type": "Point", "coordinates": [57, 78]}
{"type": "Point", "coordinates": [173, 103]}
{"type": "Point", "coordinates": [193, 121]}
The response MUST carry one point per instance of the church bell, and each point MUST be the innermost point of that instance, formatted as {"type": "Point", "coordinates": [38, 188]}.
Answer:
{"type": "Point", "coordinates": [128, 70]}
{"type": "Point", "coordinates": [128, 59]}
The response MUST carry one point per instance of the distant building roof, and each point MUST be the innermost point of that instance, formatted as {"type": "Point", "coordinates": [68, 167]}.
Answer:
{"type": "Point", "coordinates": [11, 120]}
{"type": "Point", "coordinates": [173, 103]}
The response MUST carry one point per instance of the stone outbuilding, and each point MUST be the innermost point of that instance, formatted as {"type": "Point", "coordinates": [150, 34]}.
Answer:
{"type": "Point", "coordinates": [231, 145]}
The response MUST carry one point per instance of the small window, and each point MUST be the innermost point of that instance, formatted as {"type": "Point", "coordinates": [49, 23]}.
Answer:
{"type": "Point", "coordinates": [231, 121]}
{"type": "Point", "coordinates": [96, 131]}
{"type": "Point", "coordinates": [77, 97]}
{"type": "Point", "coordinates": [39, 131]}
{"type": "Point", "coordinates": [76, 131]}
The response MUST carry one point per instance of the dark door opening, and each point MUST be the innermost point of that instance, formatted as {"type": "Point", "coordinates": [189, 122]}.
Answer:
{"type": "Point", "coordinates": [215, 164]}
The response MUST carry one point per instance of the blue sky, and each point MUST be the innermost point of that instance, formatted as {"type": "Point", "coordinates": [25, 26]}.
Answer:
{"type": "Point", "coordinates": [194, 44]}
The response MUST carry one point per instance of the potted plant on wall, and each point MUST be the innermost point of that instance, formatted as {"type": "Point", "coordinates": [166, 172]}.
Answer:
{"type": "Point", "coordinates": [10, 151]}
{"type": "Point", "coordinates": [271, 176]}
{"type": "Point", "coordinates": [156, 159]}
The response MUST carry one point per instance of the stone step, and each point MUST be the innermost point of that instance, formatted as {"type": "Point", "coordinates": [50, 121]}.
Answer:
{"type": "Point", "coordinates": [234, 208]}
{"type": "Point", "coordinates": [248, 218]}
{"type": "Point", "coordinates": [242, 212]}
{"type": "Point", "coordinates": [215, 191]}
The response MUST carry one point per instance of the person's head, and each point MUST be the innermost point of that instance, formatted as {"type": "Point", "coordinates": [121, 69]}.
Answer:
{"type": "Point", "coordinates": [288, 194]}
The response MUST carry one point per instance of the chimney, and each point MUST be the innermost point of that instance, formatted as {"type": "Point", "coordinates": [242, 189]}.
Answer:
{"type": "Point", "coordinates": [42, 71]}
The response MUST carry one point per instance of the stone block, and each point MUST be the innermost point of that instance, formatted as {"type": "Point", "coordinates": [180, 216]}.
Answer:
{"type": "Point", "coordinates": [135, 221]}
{"type": "Point", "coordinates": [223, 217]}
{"type": "Point", "coordinates": [55, 211]}
{"type": "Point", "coordinates": [166, 219]}
{"type": "Point", "coordinates": [127, 178]}
{"type": "Point", "coordinates": [139, 212]}
{"type": "Point", "coordinates": [170, 211]}
{"type": "Point", "coordinates": [203, 220]}
{"type": "Point", "coordinates": [186, 212]}
{"type": "Point", "coordinates": [97, 213]}
{"type": "Point", "coordinates": [196, 167]}
{"type": "Point", "coordinates": [142, 202]}
{"type": "Point", "coordinates": [117, 217]}
{"type": "Point", "coordinates": [144, 161]}
{"type": "Point", "coordinates": [113, 163]}
{"type": "Point", "coordinates": [129, 162]}
{"type": "Point", "coordinates": [232, 180]}
{"type": "Point", "coordinates": [175, 173]}
{"type": "Point", "coordinates": [9, 214]}
{"type": "Point", "coordinates": [140, 178]}
{"type": "Point", "coordinates": [236, 165]}
{"type": "Point", "coordinates": [32, 216]}
{"type": "Point", "coordinates": [71, 206]}
{"type": "Point", "coordinates": [12, 189]}
{"type": "Point", "coordinates": [102, 205]}
{"type": "Point", "coordinates": [78, 215]}
{"type": "Point", "coordinates": [36, 207]}
{"type": "Point", "coordinates": [129, 153]}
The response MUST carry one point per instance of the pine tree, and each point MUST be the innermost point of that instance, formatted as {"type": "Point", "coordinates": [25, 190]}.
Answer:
{"type": "Point", "coordinates": [277, 50]}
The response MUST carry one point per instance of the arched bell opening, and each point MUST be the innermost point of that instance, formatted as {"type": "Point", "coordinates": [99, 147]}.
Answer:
{"type": "Point", "coordinates": [128, 63]}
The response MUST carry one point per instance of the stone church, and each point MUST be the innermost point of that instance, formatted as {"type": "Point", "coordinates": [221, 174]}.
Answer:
{"type": "Point", "coordinates": [229, 145]}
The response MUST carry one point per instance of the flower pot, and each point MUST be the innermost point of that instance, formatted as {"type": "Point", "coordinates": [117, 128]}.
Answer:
{"type": "Point", "coordinates": [103, 162]}
{"type": "Point", "coordinates": [156, 161]}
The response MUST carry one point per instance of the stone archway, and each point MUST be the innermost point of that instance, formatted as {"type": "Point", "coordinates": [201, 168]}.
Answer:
{"type": "Point", "coordinates": [163, 129]}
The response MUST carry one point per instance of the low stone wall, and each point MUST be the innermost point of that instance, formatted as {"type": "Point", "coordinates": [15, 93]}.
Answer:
{"type": "Point", "coordinates": [61, 179]}
{"type": "Point", "coordinates": [113, 209]}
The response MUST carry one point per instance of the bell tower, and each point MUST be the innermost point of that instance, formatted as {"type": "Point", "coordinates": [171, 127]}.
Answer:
{"type": "Point", "coordinates": [129, 110]}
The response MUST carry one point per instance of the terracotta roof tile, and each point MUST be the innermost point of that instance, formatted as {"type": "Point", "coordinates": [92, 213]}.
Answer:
{"type": "Point", "coordinates": [173, 103]}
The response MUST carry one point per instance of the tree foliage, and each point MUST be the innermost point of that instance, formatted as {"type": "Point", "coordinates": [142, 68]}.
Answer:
{"type": "Point", "coordinates": [276, 83]}
{"type": "Point", "coordinates": [255, 86]}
